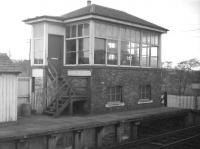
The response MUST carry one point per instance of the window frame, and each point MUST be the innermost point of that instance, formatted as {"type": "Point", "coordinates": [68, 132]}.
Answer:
{"type": "Point", "coordinates": [109, 95]}
{"type": "Point", "coordinates": [77, 42]}
{"type": "Point", "coordinates": [33, 58]}
{"type": "Point", "coordinates": [135, 37]}
{"type": "Point", "coordinates": [145, 93]}
{"type": "Point", "coordinates": [87, 50]}
{"type": "Point", "coordinates": [131, 48]}
{"type": "Point", "coordinates": [106, 59]}
{"type": "Point", "coordinates": [105, 54]}
{"type": "Point", "coordinates": [150, 57]}
{"type": "Point", "coordinates": [137, 32]}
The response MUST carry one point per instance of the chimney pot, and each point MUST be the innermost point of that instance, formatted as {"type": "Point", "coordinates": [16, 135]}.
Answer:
{"type": "Point", "coordinates": [88, 2]}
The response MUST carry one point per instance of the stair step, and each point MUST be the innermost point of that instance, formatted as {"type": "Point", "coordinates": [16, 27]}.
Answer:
{"type": "Point", "coordinates": [77, 96]}
{"type": "Point", "coordinates": [51, 109]}
{"type": "Point", "coordinates": [60, 78]}
{"type": "Point", "coordinates": [49, 112]}
{"type": "Point", "coordinates": [61, 101]}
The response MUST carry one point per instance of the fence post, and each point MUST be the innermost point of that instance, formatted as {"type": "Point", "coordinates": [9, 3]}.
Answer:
{"type": "Point", "coordinates": [195, 103]}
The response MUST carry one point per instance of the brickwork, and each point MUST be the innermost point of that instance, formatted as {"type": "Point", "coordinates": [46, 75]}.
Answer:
{"type": "Point", "coordinates": [129, 78]}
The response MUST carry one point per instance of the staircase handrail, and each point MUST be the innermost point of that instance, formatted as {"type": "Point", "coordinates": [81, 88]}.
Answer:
{"type": "Point", "coordinates": [52, 68]}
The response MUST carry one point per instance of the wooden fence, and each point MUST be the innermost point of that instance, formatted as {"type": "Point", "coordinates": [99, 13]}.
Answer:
{"type": "Point", "coordinates": [185, 102]}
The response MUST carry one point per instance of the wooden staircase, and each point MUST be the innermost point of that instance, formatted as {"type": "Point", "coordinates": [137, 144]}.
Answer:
{"type": "Point", "coordinates": [59, 101]}
{"type": "Point", "coordinates": [63, 94]}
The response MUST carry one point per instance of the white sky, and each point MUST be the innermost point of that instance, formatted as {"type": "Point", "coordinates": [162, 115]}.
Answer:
{"type": "Point", "coordinates": [181, 17]}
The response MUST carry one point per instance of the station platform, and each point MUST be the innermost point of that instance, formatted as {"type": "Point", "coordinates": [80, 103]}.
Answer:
{"type": "Point", "coordinates": [38, 125]}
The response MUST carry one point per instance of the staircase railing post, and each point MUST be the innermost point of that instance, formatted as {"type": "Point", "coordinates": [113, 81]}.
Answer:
{"type": "Point", "coordinates": [71, 102]}
{"type": "Point", "coordinates": [57, 104]}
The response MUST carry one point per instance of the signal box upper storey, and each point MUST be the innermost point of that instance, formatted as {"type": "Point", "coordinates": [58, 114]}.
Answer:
{"type": "Point", "coordinates": [96, 35]}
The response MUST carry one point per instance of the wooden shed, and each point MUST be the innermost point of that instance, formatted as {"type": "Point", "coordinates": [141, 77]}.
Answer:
{"type": "Point", "coordinates": [8, 89]}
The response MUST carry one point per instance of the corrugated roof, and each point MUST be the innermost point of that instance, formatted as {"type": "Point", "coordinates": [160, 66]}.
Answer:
{"type": "Point", "coordinates": [110, 13]}
{"type": "Point", "coordinates": [6, 65]}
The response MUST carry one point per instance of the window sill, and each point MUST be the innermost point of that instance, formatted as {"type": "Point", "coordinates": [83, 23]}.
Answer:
{"type": "Point", "coordinates": [114, 104]}
{"type": "Point", "coordinates": [143, 101]}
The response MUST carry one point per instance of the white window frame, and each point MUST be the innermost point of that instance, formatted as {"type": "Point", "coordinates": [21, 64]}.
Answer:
{"type": "Point", "coordinates": [43, 37]}
{"type": "Point", "coordinates": [145, 100]}
{"type": "Point", "coordinates": [77, 43]}
{"type": "Point", "coordinates": [115, 103]}
{"type": "Point", "coordinates": [92, 36]}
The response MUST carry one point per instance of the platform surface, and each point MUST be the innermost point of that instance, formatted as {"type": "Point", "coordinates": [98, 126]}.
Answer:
{"type": "Point", "coordinates": [43, 125]}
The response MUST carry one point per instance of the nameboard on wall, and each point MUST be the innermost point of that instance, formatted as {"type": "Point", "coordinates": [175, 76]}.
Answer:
{"type": "Point", "coordinates": [195, 85]}
{"type": "Point", "coordinates": [79, 72]}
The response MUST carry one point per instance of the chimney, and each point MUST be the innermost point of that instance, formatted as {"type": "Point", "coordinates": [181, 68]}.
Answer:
{"type": "Point", "coordinates": [88, 2]}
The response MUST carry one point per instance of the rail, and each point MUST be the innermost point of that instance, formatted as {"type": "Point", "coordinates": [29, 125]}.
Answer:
{"type": "Point", "coordinates": [165, 140]}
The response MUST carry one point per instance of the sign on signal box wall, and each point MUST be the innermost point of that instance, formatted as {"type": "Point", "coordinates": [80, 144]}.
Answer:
{"type": "Point", "coordinates": [195, 85]}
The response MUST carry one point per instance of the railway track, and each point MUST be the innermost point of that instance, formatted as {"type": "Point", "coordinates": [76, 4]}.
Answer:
{"type": "Point", "coordinates": [170, 140]}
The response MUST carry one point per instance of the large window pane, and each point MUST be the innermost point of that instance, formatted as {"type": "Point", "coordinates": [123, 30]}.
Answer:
{"type": "Point", "coordinates": [154, 56]}
{"type": "Point", "coordinates": [156, 40]}
{"type": "Point", "coordinates": [112, 52]}
{"type": "Point", "coordinates": [128, 34]}
{"type": "Point", "coordinates": [38, 30]}
{"type": "Point", "coordinates": [73, 32]}
{"type": "Point", "coordinates": [109, 31]}
{"type": "Point", "coordinates": [83, 51]}
{"type": "Point", "coordinates": [125, 53]}
{"type": "Point", "coordinates": [80, 30]}
{"type": "Point", "coordinates": [100, 30]}
{"type": "Point", "coordinates": [86, 29]}
{"type": "Point", "coordinates": [99, 51]}
{"type": "Point", "coordinates": [129, 53]}
{"type": "Point", "coordinates": [123, 33]}
{"type": "Point", "coordinates": [144, 38]}
{"type": "Point", "coordinates": [67, 31]}
{"type": "Point", "coordinates": [152, 39]}
{"type": "Point", "coordinates": [71, 51]}
{"type": "Point", "coordinates": [145, 56]}
{"type": "Point", "coordinates": [148, 38]}
{"type": "Point", "coordinates": [71, 58]}
{"type": "Point", "coordinates": [115, 32]}
{"type": "Point", "coordinates": [135, 54]}
{"type": "Point", "coordinates": [137, 36]}
{"type": "Point", "coordinates": [38, 51]}
{"type": "Point", "coordinates": [133, 35]}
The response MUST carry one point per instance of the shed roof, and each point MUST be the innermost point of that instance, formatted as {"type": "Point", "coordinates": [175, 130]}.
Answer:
{"type": "Point", "coordinates": [6, 65]}
{"type": "Point", "coordinates": [102, 11]}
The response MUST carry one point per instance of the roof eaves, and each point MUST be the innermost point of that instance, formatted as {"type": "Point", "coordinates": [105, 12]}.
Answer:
{"type": "Point", "coordinates": [44, 18]}
{"type": "Point", "coordinates": [154, 27]}
{"type": "Point", "coordinates": [10, 71]}
{"type": "Point", "coordinates": [113, 20]}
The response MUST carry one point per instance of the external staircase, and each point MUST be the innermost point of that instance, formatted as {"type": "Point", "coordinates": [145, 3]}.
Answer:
{"type": "Point", "coordinates": [62, 93]}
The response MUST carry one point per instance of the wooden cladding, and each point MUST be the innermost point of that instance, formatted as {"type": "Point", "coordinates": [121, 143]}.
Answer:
{"type": "Point", "coordinates": [8, 97]}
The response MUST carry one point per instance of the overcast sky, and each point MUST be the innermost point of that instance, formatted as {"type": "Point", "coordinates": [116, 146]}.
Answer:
{"type": "Point", "coordinates": [181, 17]}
